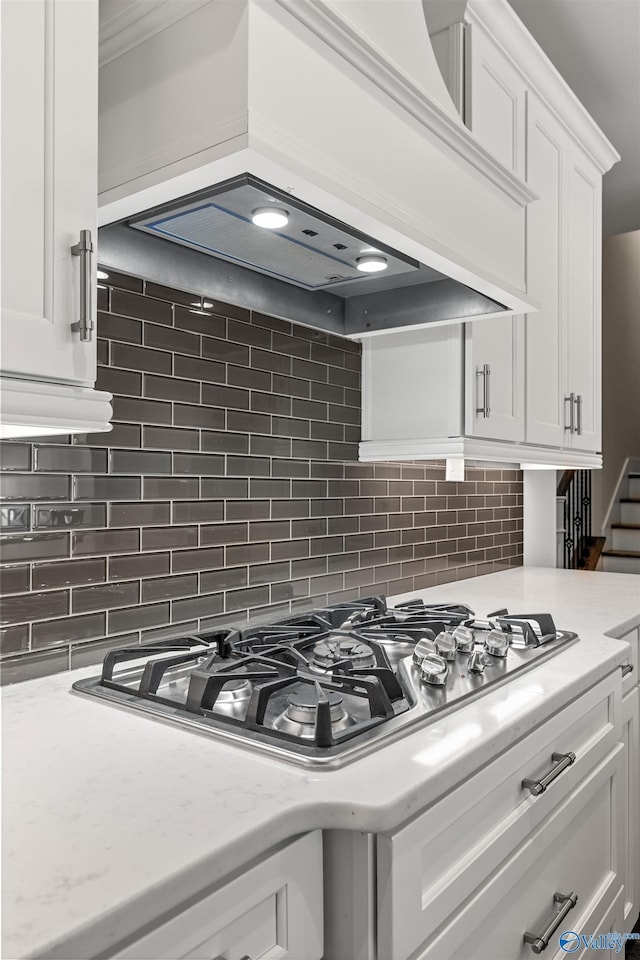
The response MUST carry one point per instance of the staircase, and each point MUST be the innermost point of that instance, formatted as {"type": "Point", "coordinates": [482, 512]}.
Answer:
{"type": "Point", "coordinates": [623, 534]}
{"type": "Point", "coordinates": [576, 548]}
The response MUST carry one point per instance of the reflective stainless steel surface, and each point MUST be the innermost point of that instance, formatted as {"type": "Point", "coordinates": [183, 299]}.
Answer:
{"type": "Point", "coordinates": [446, 645]}
{"type": "Point", "coordinates": [434, 669]}
{"type": "Point", "coordinates": [497, 643]}
{"type": "Point", "coordinates": [324, 688]}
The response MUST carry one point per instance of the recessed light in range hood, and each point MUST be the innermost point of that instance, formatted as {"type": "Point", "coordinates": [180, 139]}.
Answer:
{"type": "Point", "coordinates": [311, 267]}
{"type": "Point", "coordinates": [311, 249]}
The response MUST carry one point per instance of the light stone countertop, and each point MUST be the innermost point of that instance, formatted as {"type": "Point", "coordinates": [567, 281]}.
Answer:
{"type": "Point", "coordinates": [110, 818]}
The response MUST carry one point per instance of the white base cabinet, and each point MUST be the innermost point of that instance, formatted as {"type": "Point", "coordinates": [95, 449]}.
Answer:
{"type": "Point", "coordinates": [273, 911]}
{"type": "Point", "coordinates": [574, 852]}
{"type": "Point", "coordinates": [479, 869]}
{"type": "Point", "coordinates": [49, 197]}
{"type": "Point", "coordinates": [631, 802]}
{"type": "Point", "coordinates": [631, 814]}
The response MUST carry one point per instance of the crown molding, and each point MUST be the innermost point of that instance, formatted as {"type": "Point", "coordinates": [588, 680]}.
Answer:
{"type": "Point", "coordinates": [322, 19]}
{"type": "Point", "coordinates": [508, 32]}
{"type": "Point", "coordinates": [138, 22]}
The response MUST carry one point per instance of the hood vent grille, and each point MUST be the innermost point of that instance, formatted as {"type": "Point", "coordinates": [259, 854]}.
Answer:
{"type": "Point", "coordinates": [312, 251]}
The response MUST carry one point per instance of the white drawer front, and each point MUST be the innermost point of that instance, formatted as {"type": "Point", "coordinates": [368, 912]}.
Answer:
{"type": "Point", "coordinates": [606, 919]}
{"type": "Point", "coordinates": [577, 850]}
{"type": "Point", "coordinates": [272, 911]}
{"type": "Point", "coordinates": [443, 856]}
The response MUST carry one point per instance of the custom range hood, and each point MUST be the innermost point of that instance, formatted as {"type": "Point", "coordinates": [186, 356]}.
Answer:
{"type": "Point", "coordinates": [331, 111]}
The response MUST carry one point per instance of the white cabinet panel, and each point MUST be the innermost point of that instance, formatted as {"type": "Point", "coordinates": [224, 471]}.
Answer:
{"type": "Point", "coordinates": [412, 384]}
{"type": "Point", "coordinates": [49, 184]}
{"type": "Point", "coordinates": [544, 340]}
{"type": "Point", "coordinates": [563, 340]}
{"type": "Point", "coordinates": [494, 367]}
{"type": "Point", "coordinates": [495, 99]}
{"type": "Point", "coordinates": [583, 293]}
{"type": "Point", "coordinates": [273, 911]}
{"type": "Point", "coordinates": [631, 804]}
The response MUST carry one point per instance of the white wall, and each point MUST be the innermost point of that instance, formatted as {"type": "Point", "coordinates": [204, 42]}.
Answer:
{"type": "Point", "coordinates": [620, 365]}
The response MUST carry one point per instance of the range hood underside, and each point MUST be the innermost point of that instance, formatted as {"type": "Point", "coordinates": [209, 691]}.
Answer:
{"type": "Point", "coordinates": [438, 301]}
{"type": "Point", "coordinates": [305, 272]}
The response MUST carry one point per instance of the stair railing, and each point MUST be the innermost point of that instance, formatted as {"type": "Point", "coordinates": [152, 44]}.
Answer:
{"type": "Point", "coordinates": [575, 487]}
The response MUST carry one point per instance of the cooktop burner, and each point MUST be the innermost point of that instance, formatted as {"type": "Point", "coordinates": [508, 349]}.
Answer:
{"type": "Point", "coordinates": [338, 648]}
{"type": "Point", "coordinates": [325, 687]}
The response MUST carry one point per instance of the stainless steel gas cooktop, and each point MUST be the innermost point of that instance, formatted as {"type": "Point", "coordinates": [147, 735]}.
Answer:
{"type": "Point", "coordinates": [324, 688]}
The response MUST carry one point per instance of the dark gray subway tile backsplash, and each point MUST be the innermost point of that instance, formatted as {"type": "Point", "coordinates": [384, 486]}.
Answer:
{"type": "Point", "coordinates": [229, 489]}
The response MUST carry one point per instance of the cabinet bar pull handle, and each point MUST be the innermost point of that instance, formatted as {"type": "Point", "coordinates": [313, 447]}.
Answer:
{"type": "Point", "coordinates": [84, 249]}
{"type": "Point", "coordinates": [627, 669]}
{"type": "Point", "coordinates": [541, 942]}
{"type": "Point", "coordinates": [487, 396]}
{"type": "Point", "coordinates": [571, 401]}
{"type": "Point", "coordinates": [562, 761]}
{"type": "Point", "coordinates": [579, 414]}
{"type": "Point", "coordinates": [485, 373]}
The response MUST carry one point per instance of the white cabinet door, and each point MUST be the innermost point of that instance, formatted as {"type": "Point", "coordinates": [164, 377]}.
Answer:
{"type": "Point", "coordinates": [544, 338]}
{"type": "Point", "coordinates": [583, 296]}
{"type": "Point", "coordinates": [563, 340]}
{"type": "Point", "coordinates": [49, 184]}
{"type": "Point", "coordinates": [494, 375]}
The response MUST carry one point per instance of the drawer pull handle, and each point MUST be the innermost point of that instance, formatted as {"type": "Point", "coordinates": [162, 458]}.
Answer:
{"type": "Point", "coordinates": [627, 669]}
{"type": "Point", "coordinates": [540, 943]}
{"type": "Point", "coordinates": [562, 762]}
{"type": "Point", "coordinates": [220, 957]}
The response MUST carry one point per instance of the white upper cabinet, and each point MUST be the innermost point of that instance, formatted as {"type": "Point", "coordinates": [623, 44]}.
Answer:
{"type": "Point", "coordinates": [495, 110]}
{"type": "Point", "coordinates": [544, 341]}
{"type": "Point", "coordinates": [583, 291]}
{"type": "Point", "coordinates": [429, 393]}
{"type": "Point", "coordinates": [563, 340]}
{"type": "Point", "coordinates": [49, 206]}
{"type": "Point", "coordinates": [483, 382]}
{"type": "Point", "coordinates": [531, 386]}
